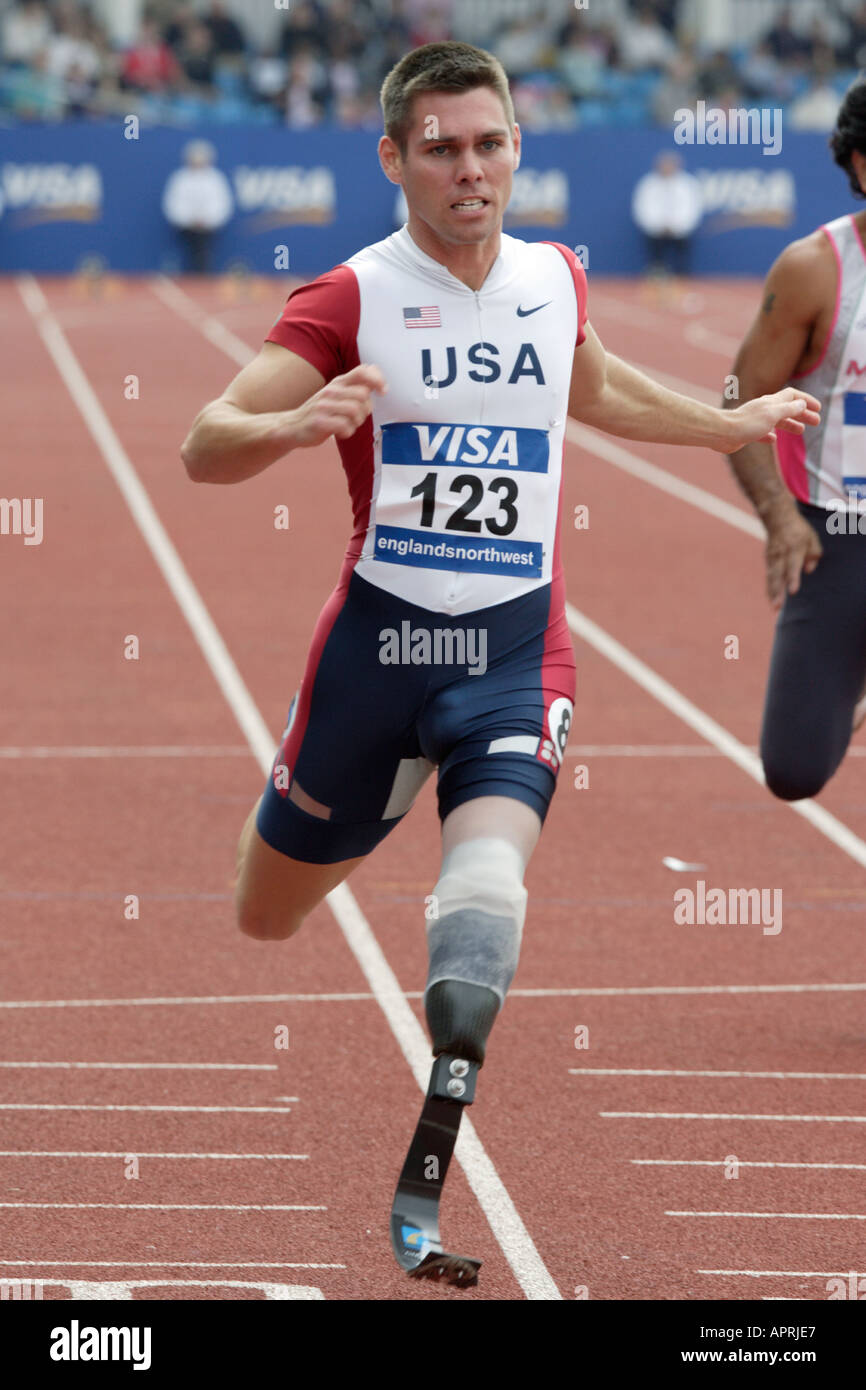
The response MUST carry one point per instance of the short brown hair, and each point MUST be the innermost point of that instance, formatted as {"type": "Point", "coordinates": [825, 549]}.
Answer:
{"type": "Point", "coordinates": [438, 67]}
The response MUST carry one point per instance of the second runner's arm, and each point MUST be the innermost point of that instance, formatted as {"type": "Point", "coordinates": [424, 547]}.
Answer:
{"type": "Point", "coordinates": [798, 283]}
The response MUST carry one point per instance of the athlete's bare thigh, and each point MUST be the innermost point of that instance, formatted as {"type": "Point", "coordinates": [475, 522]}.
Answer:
{"type": "Point", "coordinates": [274, 893]}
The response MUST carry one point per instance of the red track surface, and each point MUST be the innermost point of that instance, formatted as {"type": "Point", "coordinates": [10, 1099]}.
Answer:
{"type": "Point", "coordinates": [670, 583]}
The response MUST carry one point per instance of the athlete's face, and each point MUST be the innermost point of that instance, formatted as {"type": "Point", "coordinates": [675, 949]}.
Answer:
{"type": "Point", "coordinates": [459, 164]}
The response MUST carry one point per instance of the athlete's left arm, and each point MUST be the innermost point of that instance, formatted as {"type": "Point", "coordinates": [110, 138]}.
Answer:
{"type": "Point", "coordinates": [609, 394]}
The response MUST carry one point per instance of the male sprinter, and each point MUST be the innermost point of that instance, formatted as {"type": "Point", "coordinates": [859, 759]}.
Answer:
{"type": "Point", "coordinates": [444, 360]}
{"type": "Point", "coordinates": [811, 331]}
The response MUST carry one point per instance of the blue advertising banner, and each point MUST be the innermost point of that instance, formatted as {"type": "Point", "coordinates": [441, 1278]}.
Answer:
{"type": "Point", "coordinates": [305, 200]}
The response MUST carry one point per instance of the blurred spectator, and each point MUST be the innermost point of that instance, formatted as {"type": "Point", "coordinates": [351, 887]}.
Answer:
{"type": "Point", "coordinates": [174, 32]}
{"type": "Point", "coordinates": [717, 76]}
{"type": "Point", "coordinates": [197, 201]}
{"type": "Point", "coordinates": [226, 34]}
{"type": "Point", "coordinates": [785, 44]}
{"type": "Point", "coordinates": [667, 207]}
{"type": "Point", "coordinates": [308, 90]}
{"type": "Point", "coordinates": [677, 90]}
{"type": "Point", "coordinates": [25, 32]}
{"type": "Point", "coordinates": [644, 43]}
{"type": "Point", "coordinates": [305, 28]}
{"type": "Point", "coordinates": [149, 65]}
{"type": "Point", "coordinates": [267, 77]}
{"type": "Point", "coordinates": [763, 75]}
{"type": "Point", "coordinates": [72, 48]}
{"type": "Point", "coordinates": [522, 47]}
{"type": "Point", "coordinates": [197, 57]}
{"type": "Point", "coordinates": [816, 109]}
{"type": "Point", "coordinates": [617, 54]}
{"type": "Point", "coordinates": [854, 51]}
{"type": "Point", "coordinates": [580, 61]}
{"type": "Point", "coordinates": [35, 94]}
{"type": "Point", "coordinates": [429, 20]}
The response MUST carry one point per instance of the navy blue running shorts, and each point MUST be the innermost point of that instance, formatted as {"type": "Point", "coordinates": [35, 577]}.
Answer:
{"type": "Point", "coordinates": [391, 691]}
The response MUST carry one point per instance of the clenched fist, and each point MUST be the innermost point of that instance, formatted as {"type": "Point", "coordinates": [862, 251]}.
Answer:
{"type": "Point", "coordinates": [340, 408]}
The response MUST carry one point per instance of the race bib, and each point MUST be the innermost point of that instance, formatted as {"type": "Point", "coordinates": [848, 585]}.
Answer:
{"type": "Point", "coordinates": [463, 497]}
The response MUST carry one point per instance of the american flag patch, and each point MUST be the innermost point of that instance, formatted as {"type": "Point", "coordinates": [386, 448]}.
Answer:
{"type": "Point", "coordinates": [426, 317]}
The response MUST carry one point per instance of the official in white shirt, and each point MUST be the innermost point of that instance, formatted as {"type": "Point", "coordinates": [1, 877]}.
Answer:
{"type": "Point", "coordinates": [667, 207]}
{"type": "Point", "coordinates": [198, 201]}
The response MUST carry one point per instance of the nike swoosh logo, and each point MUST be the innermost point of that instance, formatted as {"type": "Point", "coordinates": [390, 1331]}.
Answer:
{"type": "Point", "coordinates": [524, 313]}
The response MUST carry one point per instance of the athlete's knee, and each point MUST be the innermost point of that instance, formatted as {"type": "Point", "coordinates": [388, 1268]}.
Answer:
{"type": "Point", "coordinates": [474, 934]}
{"type": "Point", "coordinates": [266, 921]}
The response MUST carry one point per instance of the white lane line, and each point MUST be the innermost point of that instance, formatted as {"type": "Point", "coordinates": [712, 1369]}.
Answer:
{"type": "Point", "coordinates": [770, 1075]}
{"type": "Point", "coordinates": [613, 991]}
{"type": "Point", "coordinates": [138, 1153]}
{"type": "Point", "coordinates": [197, 1109]}
{"type": "Point", "coordinates": [146, 519]}
{"type": "Point", "coordinates": [600, 991]}
{"type": "Point", "coordinates": [671, 698]}
{"type": "Point", "coordinates": [178, 999]}
{"type": "Point", "coordinates": [150, 1066]}
{"type": "Point", "coordinates": [779, 1215]}
{"type": "Point", "coordinates": [728, 1115]}
{"type": "Point", "coordinates": [722, 344]}
{"type": "Point", "coordinates": [508, 1228]}
{"type": "Point", "coordinates": [153, 1206]}
{"type": "Point", "coordinates": [120, 1290]}
{"type": "Point", "coordinates": [133, 751]}
{"type": "Point", "coordinates": [605, 448]}
{"type": "Point", "coordinates": [164, 1264]}
{"type": "Point", "coordinates": [209, 326]}
{"type": "Point", "coordinates": [642, 750]}
{"type": "Point", "coordinates": [741, 1163]}
{"type": "Point", "coordinates": [779, 1273]}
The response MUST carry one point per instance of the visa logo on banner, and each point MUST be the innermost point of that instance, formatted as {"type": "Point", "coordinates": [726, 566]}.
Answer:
{"type": "Point", "coordinates": [496, 447]}
{"type": "Point", "coordinates": [747, 198]}
{"type": "Point", "coordinates": [51, 192]}
{"type": "Point", "coordinates": [284, 195]}
{"type": "Point", "coordinates": [538, 198]}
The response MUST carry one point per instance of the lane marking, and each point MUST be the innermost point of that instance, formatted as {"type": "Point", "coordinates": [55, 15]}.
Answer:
{"type": "Point", "coordinates": [132, 751]}
{"type": "Point", "coordinates": [779, 1215]}
{"type": "Point", "coordinates": [722, 344]}
{"type": "Point", "coordinates": [151, 1066]}
{"type": "Point", "coordinates": [604, 447]}
{"type": "Point", "coordinates": [742, 1163]}
{"type": "Point", "coordinates": [197, 1109]}
{"type": "Point", "coordinates": [668, 696]}
{"type": "Point", "coordinates": [206, 324]}
{"type": "Point", "coordinates": [598, 991]}
{"type": "Point", "coordinates": [782, 1273]}
{"type": "Point", "coordinates": [774, 1075]}
{"type": "Point", "coordinates": [508, 1228]}
{"type": "Point", "coordinates": [153, 1206]}
{"type": "Point", "coordinates": [163, 1264]}
{"type": "Point", "coordinates": [121, 1290]}
{"type": "Point", "coordinates": [138, 1153]}
{"type": "Point", "coordinates": [727, 1115]}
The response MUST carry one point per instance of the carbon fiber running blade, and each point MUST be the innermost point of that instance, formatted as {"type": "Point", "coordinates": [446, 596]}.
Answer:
{"type": "Point", "coordinates": [415, 1237]}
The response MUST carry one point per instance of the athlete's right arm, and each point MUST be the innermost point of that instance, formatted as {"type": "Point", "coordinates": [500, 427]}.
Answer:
{"type": "Point", "coordinates": [277, 403]}
{"type": "Point", "coordinates": [792, 299]}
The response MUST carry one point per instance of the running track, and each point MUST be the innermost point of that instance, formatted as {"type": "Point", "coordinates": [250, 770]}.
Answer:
{"type": "Point", "coordinates": [266, 1172]}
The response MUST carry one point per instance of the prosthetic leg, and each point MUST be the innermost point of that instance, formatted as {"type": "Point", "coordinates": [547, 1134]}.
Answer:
{"type": "Point", "coordinates": [474, 941]}
{"type": "Point", "coordinates": [460, 1015]}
